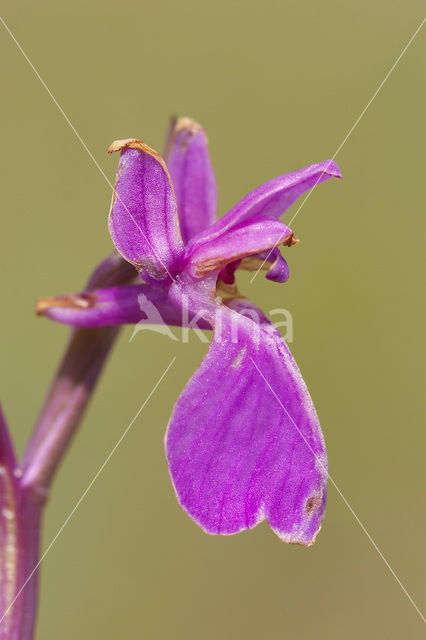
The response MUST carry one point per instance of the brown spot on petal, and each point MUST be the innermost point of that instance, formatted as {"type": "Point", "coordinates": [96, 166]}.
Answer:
{"type": "Point", "coordinates": [311, 503]}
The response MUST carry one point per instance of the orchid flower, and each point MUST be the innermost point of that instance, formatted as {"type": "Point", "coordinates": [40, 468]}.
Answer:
{"type": "Point", "coordinates": [244, 442]}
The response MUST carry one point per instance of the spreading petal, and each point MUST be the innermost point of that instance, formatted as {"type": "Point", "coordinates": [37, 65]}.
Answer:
{"type": "Point", "coordinates": [245, 239]}
{"type": "Point", "coordinates": [134, 304]}
{"type": "Point", "coordinates": [273, 198]}
{"type": "Point", "coordinates": [244, 442]}
{"type": "Point", "coordinates": [193, 178]}
{"type": "Point", "coordinates": [143, 220]}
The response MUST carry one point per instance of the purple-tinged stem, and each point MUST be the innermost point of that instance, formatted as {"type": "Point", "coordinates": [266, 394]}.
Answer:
{"type": "Point", "coordinates": [64, 406]}
{"type": "Point", "coordinates": [19, 544]}
{"type": "Point", "coordinates": [9, 535]}
{"type": "Point", "coordinates": [71, 388]}
{"type": "Point", "coordinates": [24, 488]}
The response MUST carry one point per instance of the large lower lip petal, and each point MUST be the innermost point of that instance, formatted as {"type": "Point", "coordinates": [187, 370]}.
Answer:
{"type": "Point", "coordinates": [244, 442]}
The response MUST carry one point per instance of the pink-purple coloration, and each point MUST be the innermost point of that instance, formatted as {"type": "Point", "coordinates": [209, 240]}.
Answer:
{"type": "Point", "coordinates": [194, 181]}
{"type": "Point", "coordinates": [24, 484]}
{"type": "Point", "coordinates": [244, 442]}
{"type": "Point", "coordinates": [19, 546]}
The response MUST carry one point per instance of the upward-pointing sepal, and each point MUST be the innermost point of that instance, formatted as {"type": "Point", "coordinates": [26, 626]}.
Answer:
{"type": "Point", "coordinates": [143, 220]}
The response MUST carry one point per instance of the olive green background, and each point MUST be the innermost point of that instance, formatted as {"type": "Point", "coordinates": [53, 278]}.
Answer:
{"type": "Point", "coordinates": [278, 85]}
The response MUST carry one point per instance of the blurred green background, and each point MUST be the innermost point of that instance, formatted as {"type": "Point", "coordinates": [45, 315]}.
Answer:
{"type": "Point", "coordinates": [277, 85]}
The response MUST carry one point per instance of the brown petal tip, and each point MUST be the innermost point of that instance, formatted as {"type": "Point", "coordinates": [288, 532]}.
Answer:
{"type": "Point", "coordinates": [132, 143]}
{"type": "Point", "coordinates": [290, 240]}
{"type": "Point", "coordinates": [74, 301]}
{"type": "Point", "coordinates": [187, 124]}
{"type": "Point", "coordinates": [118, 145]}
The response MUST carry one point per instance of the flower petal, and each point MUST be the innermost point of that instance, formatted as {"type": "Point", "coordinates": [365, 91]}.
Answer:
{"type": "Point", "coordinates": [108, 307]}
{"type": "Point", "coordinates": [134, 304]}
{"type": "Point", "coordinates": [273, 198]}
{"type": "Point", "coordinates": [193, 177]}
{"type": "Point", "coordinates": [143, 219]}
{"type": "Point", "coordinates": [245, 239]}
{"type": "Point", "coordinates": [272, 261]}
{"type": "Point", "coordinates": [244, 442]}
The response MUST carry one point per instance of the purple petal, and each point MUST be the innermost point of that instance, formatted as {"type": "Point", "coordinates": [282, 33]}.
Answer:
{"type": "Point", "coordinates": [193, 177]}
{"type": "Point", "coordinates": [273, 198]}
{"type": "Point", "coordinates": [244, 442]}
{"type": "Point", "coordinates": [245, 239]}
{"type": "Point", "coordinates": [143, 220]}
{"type": "Point", "coordinates": [270, 260]}
{"type": "Point", "coordinates": [278, 271]}
{"type": "Point", "coordinates": [135, 304]}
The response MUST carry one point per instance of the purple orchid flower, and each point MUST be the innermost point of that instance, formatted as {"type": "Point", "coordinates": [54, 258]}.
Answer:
{"type": "Point", "coordinates": [244, 442]}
